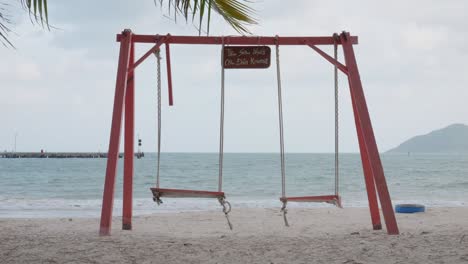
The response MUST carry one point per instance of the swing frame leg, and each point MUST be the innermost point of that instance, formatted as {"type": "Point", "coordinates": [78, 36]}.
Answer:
{"type": "Point", "coordinates": [368, 177]}
{"type": "Point", "coordinates": [372, 164]}
{"type": "Point", "coordinates": [129, 147]}
{"type": "Point", "coordinates": [113, 153]}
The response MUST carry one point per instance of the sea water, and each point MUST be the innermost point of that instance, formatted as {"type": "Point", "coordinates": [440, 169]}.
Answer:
{"type": "Point", "coordinates": [74, 187]}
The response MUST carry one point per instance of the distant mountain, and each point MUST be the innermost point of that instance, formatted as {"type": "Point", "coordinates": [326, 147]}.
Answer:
{"type": "Point", "coordinates": [452, 139]}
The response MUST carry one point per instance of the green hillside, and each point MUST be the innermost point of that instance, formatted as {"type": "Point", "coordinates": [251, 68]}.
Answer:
{"type": "Point", "coordinates": [452, 139]}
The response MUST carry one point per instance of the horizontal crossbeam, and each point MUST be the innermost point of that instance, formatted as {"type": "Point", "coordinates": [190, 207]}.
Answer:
{"type": "Point", "coordinates": [238, 40]}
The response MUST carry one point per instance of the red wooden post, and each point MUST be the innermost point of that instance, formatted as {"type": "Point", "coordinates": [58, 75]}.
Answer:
{"type": "Point", "coordinates": [169, 74]}
{"type": "Point", "coordinates": [129, 146]}
{"type": "Point", "coordinates": [368, 137]}
{"type": "Point", "coordinates": [113, 154]}
{"type": "Point", "coordinates": [368, 176]}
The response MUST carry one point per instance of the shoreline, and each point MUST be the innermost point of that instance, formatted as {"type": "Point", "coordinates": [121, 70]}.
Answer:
{"type": "Point", "coordinates": [77, 210]}
{"type": "Point", "coordinates": [316, 235]}
{"type": "Point", "coordinates": [92, 213]}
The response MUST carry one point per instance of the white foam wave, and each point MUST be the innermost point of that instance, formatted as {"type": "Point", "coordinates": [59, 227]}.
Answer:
{"type": "Point", "coordinates": [46, 208]}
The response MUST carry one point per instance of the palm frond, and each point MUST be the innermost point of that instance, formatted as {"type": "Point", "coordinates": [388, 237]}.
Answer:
{"type": "Point", "coordinates": [236, 13]}
{"type": "Point", "coordinates": [38, 14]}
{"type": "Point", "coordinates": [4, 25]}
{"type": "Point", "coordinates": [38, 11]}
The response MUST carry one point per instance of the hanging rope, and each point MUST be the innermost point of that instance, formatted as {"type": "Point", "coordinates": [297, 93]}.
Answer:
{"type": "Point", "coordinates": [337, 164]}
{"type": "Point", "coordinates": [158, 57]}
{"type": "Point", "coordinates": [225, 204]}
{"type": "Point", "coordinates": [221, 125]}
{"type": "Point", "coordinates": [158, 61]}
{"type": "Point", "coordinates": [280, 115]}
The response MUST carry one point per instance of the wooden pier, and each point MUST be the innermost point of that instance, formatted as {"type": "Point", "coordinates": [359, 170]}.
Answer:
{"type": "Point", "coordinates": [60, 155]}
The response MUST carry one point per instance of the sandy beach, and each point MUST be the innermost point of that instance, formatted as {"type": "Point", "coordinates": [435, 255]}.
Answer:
{"type": "Point", "coordinates": [325, 235]}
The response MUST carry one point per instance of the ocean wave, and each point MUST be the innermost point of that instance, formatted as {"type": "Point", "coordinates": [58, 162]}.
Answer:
{"type": "Point", "coordinates": [62, 208]}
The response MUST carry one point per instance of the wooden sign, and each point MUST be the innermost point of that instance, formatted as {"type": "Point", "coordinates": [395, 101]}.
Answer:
{"type": "Point", "coordinates": [246, 57]}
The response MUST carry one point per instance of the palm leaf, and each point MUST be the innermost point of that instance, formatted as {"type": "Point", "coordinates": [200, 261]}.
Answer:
{"type": "Point", "coordinates": [202, 12]}
{"type": "Point", "coordinates": [235, 12]}
{"type": "Point", "coordinates": [38, 13]}
{"type": "Point", "coordinates": [38, 10]}
{"type": "Point", "coordinates": [4, 25]}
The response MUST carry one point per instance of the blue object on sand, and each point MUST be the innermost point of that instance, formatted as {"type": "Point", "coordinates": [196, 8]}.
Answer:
{"type": "Point", "coordinates": [409, 208]}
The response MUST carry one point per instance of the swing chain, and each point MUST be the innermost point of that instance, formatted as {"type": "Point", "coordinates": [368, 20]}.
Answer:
{"type": "Point", "coordinates": [226, 209]}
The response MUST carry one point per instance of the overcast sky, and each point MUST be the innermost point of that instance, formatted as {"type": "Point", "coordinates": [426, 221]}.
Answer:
{"type": "Point", "coordinates": [57, 87]}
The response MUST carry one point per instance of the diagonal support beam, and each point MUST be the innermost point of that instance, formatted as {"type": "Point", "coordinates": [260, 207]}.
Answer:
{"type": "Point", "coordinates": [367, 169]}
{"type": "Point", "coordinates": [340, 66]}
{"type": "Point", "coordinates": [147, 54]}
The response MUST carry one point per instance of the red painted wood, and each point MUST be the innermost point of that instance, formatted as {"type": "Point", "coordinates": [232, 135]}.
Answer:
{"type": "Point", "coordinates": [368, 135]}
{"type": "Point", "coordinates": [113, 154]}
{"type": "Point", "coordinates": [186, 193]}
{"type": "Point", "coordinates": [147, 54]}
{"type": "Point", "coordinates": [129, 146]}
{"type": "Point", "coordinates": [246, 57]}
{"type": "Point", "coordinates": [319, 198]}
{"type": "Point", "coordinates": [169, 75]}
{"type": "Point", "coordinates": [238, 40]}
{"type": "Point", "coordinates": [368, 176]}
{"type": "Point", "coordinates": [332, 60]}
{"type": "Point", "coordinates": [373, 170]}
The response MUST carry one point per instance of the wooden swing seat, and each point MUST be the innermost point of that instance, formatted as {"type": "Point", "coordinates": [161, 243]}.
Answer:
{"type": "Point", "coordinates": [181, 193]}
{"type": "Point", "coordinates": [331, 199]}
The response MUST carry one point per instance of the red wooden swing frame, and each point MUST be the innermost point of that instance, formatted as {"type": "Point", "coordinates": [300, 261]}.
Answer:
{"type": "Point", "coordinates": [124, 108]}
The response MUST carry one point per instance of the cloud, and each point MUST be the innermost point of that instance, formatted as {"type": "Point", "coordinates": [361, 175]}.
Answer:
{"type": "Point", "coordinates": [22, 71]}
{"type": "Point", "coordinates": [58, 87]}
